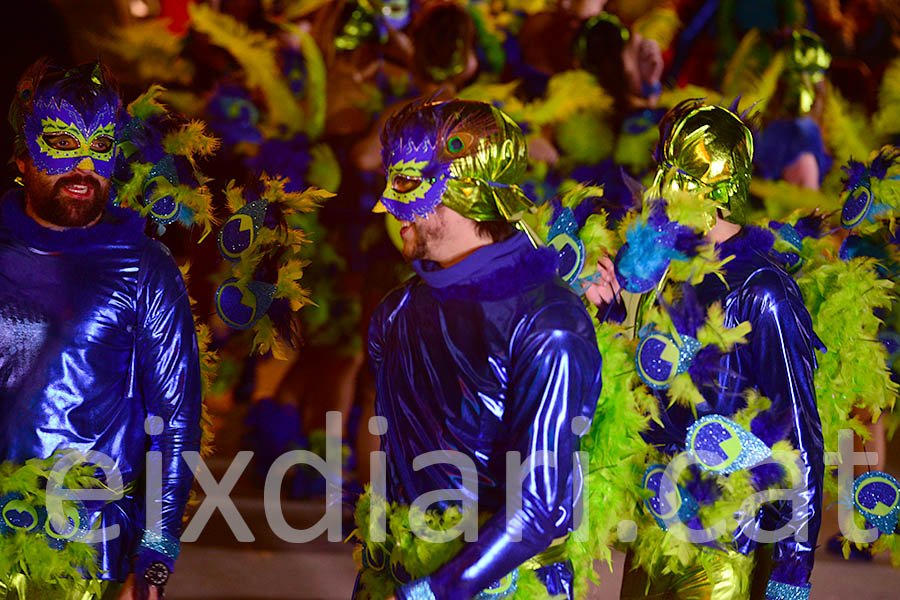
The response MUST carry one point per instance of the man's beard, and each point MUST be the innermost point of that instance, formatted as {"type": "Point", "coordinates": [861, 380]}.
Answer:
{"type": "Point", "coordinates": [53, 206]}
{"type": "Point", "coordinates": [428, 231]}
{"type": "Point", "coordinates": [419, 249]}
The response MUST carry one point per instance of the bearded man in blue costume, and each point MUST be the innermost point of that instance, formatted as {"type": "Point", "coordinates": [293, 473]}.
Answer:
{"type": "Point", "coordinates": [706, 152]}
{"type": "Point", "coordinates": [484, 351]}
{"type": "Point", "coordinates": [98, 351]}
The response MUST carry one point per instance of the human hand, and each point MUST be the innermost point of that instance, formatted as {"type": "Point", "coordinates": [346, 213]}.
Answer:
{"type": "Point", "coordinates": [605, 289]}
{"type": "Point", "coordinates": [650, 61]}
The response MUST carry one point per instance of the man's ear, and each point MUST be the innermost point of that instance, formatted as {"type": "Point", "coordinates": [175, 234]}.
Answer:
{"type": "Point", "coordinates": [20, 163]}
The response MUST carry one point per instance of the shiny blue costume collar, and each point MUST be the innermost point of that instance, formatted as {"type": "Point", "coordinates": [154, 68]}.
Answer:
{"type": "Point", "coordinates": [491, 272]}
{"type": "Point", "coordinates": [116, 225]}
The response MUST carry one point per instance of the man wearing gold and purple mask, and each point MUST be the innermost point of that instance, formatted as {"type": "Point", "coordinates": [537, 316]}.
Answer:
{"type": "Point", "coordinates": [485, 351]}
{"type": "Point", "coordinates": [706, 152]}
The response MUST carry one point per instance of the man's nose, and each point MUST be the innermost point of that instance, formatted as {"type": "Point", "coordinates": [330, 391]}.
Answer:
{"type": "Point", "coordinates": [86, 164]}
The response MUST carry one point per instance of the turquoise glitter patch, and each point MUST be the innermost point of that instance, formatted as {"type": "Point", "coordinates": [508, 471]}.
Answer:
{"type": "Point", "coordinates": [776, 590]}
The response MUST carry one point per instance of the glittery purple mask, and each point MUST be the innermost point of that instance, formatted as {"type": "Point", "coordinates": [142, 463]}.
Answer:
{"type": "Point", "coordinates": [60, 138]}
{"type": "Point", "coordinates": [415, 181]}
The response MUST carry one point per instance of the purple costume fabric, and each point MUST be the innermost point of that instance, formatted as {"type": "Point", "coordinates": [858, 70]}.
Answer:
{"type": "Point", "coordinates": [97, 335]}
{"type": "Point", "coordinates": [490, 355]}
{"type": "Point", "coordinates": [779, 145]}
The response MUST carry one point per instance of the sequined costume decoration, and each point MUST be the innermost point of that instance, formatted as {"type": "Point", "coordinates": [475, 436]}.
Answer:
{"type": "Point", "coordinates": [107, 343]}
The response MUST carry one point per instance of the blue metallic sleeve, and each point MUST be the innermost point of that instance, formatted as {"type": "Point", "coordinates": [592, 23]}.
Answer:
{"type": "Point", "coordinates": [782, 364]}
{"type": "Point", "coordinates": [169, 366]}
{"type": "Point", "coordinates": [554, 377]}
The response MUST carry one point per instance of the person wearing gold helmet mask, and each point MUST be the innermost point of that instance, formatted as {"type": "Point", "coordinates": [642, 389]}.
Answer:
{"type": "Point", "coordinates": [483, 352]}
{"type": "Point", "coordinates": [790, 145]}
{"type": "Point", "coordinates": [706, 152]}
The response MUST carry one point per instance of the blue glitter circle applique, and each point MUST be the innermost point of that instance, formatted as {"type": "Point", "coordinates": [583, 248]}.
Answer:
{"type": "Point", "coordinates": [77, 523]}
{"type": "Point", "coordinates": [241, 307]}
{"type": "Point", "coordinates": [660, 358]}
{"type": "Point", "coordinates": [164, 209]}
{"type": "Point", "coordinates": [669, 503]}
{"type": "Point", "coordinates": [722, 446]}
{"type": "Point", "coordinates": [656, 358]}
{"type": "Point", "coordinates": [876, 495]}
{"type": "Point", "coordinates": [563, 236]}
{"type": "Point", "coordinates": [238, 233]}
{"type": "Point", "coordinates": [571, 256]}
{"type": "Point", "coordinates": [857, 205]}
{"type": "Point", "coordinates": [19, 515]}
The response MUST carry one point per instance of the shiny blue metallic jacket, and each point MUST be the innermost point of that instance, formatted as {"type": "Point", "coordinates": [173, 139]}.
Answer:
{"type": "Point", "coordinates": [490, 355]}
{"type": "Point", "coordinates": [96, 335]}
{"type": "Point", "coordinates": [778, 361]}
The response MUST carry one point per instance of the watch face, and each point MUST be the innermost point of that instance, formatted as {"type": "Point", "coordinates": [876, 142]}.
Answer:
{"type": "Point", "coordinates": [157, 574]}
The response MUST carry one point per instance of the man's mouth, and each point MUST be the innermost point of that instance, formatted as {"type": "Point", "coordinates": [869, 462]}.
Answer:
{"type": "Point", "coordinates": [405, 226]}
{"type": "Point", "coordinates": [78, 187]}
{"type": "Point", "coordinates": [79, 190]}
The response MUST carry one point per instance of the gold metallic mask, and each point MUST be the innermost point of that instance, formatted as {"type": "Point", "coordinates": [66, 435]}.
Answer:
{"type": "Point", "coordinates": [483, 184]}
{"type": "Point", "coordinates": [807, 62]}
{"type": "Point", "coordinates": [708, 151]}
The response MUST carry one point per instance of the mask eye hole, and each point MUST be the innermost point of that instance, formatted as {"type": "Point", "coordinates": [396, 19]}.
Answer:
{"type": "Point", "coordinates": [102, 144]}
{"type": "Point", "coordinates": [720, 193]}
{"type": "Point", "coordinates": [686, 184]}
{"type": "Point", "coordinates": [403, 184]}
{"type": "Point", "coordinates": [61, 141]}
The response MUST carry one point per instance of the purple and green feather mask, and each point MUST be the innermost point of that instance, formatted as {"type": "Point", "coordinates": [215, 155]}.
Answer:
{"type": "Point", "coordinates": [467, 155]}
{"type": "Point", "coordinates": [71, 126]}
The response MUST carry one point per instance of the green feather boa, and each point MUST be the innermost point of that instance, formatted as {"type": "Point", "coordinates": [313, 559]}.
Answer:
{"type": "Point", "coordinates": [26, 559]}
{"type": "Point", "coordinates": [418, 557]}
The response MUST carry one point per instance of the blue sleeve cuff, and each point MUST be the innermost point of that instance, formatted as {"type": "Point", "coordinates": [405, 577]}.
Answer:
{"type": "Point", "coordinates": [161, 543]}
{"type": "Point", "coordinates": [420, 589]}
{"type": "Point", "coordinates": [782, 591]}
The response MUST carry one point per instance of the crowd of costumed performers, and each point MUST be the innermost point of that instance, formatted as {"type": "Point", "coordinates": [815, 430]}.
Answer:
{"type": "Point", "coordinates": [302, 91]}
{"type": "Point", "coordinates": [651, 243]}
{"type": "Point", "coordinates": [710, 358]}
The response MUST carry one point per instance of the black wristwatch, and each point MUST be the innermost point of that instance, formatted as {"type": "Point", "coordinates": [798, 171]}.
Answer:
{"type": "Point", "coordinates": [157, 574]}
